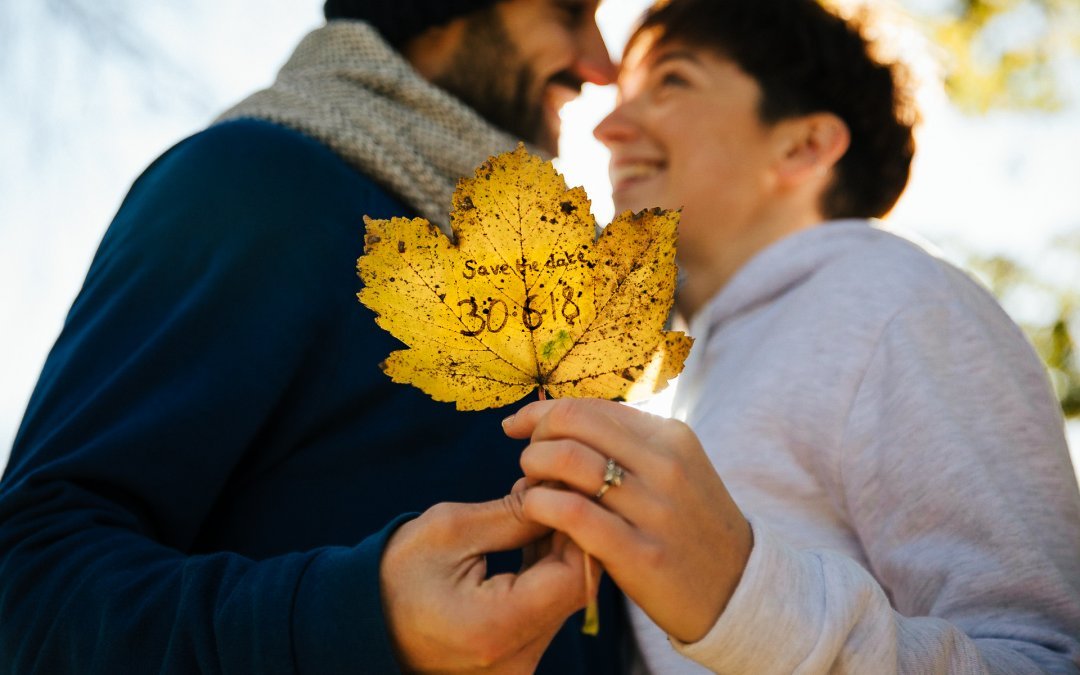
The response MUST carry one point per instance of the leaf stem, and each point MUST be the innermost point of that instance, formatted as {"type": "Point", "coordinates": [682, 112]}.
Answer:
{"type": "Point", "coordinates": [591, 625]}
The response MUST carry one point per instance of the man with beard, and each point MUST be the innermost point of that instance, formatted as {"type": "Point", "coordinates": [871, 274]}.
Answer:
{"type": "Point", "coordinates": [212, 474]}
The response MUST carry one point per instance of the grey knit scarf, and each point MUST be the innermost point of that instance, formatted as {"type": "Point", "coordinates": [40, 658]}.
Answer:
{"type": "Point", "coordinates": [345, 86]}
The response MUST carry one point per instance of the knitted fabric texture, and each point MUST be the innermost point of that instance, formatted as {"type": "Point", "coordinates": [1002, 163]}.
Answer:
{"type": "Point", "coordinates": [346, 87]}
{"type": "Point", "coordinates": [402, 19]}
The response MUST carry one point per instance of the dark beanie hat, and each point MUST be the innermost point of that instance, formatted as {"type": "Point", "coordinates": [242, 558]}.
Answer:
{"type": "Point", "coordinates": [399, 20]}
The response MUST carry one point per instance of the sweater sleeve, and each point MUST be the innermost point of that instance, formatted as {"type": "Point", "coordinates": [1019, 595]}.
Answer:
{"type": "Point", "coordinates": [199, 306]}
{"type": "Point", "coordinates": [957, 482]}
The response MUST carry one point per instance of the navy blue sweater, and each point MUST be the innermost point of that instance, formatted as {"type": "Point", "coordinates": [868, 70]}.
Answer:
{"type": "Point", "coordinates": [212, 461]}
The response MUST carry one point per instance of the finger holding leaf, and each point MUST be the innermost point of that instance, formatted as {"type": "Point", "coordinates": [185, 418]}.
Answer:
{"type": "Point", "coordinates": [670, 534]}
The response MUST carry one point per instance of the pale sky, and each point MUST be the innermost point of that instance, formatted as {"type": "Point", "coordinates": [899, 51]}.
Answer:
{"type": "Point", "coordinates": [71, 148]}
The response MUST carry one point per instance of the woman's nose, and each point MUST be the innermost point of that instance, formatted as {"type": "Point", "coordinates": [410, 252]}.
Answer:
{"type": "Point", "coordinates": [617, 127]}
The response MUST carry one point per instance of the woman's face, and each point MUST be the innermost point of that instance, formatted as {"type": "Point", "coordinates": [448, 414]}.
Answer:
{"type": "Point", "coordinates": [686, 134]}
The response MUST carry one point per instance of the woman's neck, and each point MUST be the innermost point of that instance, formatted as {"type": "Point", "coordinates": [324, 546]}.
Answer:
{"type": "Point", "coordinates": [705, 274]}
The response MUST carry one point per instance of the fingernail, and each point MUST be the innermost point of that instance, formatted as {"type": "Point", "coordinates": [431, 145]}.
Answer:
{"type": "Point", "coordinates": [508, 420]}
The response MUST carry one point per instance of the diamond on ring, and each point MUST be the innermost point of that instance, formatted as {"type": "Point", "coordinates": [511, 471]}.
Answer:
{"type": "Point", "coordinates": [613, 474]}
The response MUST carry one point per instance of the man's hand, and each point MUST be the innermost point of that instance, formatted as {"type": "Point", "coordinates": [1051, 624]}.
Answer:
{"type": "Point", "coordinates": [445, 617]}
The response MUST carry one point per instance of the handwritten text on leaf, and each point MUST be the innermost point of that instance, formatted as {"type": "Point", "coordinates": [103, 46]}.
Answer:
{"type": "Point", "coordinates": [528, 296]}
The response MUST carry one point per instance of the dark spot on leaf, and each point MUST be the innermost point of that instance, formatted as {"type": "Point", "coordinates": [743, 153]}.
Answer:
{"type": "Point", "coordinates": [567, 207]}
{"type": "Point", "coordinates": [401, 247]}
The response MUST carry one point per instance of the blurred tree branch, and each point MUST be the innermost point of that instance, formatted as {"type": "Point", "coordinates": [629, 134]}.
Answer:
{"type": "Point", "coordinates": [56, 53]}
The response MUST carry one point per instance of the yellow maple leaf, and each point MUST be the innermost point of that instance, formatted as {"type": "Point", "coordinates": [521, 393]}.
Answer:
{"type": "Point", "coordinates": [528, 296]}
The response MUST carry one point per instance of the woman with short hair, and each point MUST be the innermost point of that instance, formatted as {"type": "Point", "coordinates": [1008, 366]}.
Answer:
{"type": "Point", "coordinates": [870, 473]}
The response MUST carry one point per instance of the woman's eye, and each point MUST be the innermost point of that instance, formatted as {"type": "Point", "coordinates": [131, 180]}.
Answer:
{"type": "Point", "coordinates": [673, 80]}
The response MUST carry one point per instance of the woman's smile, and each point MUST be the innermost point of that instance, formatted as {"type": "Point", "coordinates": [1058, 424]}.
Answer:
{"type": "Point", "coordinates": [630, 173]}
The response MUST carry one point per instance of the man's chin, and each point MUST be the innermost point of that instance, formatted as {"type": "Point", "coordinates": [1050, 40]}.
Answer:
{"type": "Point", "coordinates": [549, 142]}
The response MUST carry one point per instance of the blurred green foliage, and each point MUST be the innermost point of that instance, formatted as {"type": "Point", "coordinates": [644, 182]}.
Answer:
{"type": "Point", "coordinates": [1053, 334]}
{"type": "Point", "coordinates": [1018, 55]}
{"type": "Point", "coordinates": [1007, 54]}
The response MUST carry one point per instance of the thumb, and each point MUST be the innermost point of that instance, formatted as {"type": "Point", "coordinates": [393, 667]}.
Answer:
{"type": "Point", "coordinates": [498, 525]}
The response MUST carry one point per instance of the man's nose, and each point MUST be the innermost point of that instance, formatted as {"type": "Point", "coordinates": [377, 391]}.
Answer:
{"type": "Point", "coordinates": [593, 63]}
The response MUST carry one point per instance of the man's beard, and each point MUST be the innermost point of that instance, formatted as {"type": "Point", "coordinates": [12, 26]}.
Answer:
{"type": "Point", "coordinates": [489, 74]}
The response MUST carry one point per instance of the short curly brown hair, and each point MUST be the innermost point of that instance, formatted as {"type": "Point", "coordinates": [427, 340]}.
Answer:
{"type": "Point", "coordinates": [807, 59]}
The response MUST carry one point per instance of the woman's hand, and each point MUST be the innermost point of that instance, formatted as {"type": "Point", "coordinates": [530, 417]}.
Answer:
{"type": "Point", "coordinates": [670, 535]}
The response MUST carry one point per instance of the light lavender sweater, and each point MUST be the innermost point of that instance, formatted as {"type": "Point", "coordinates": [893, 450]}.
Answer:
{"type": "Point", "coordinates": [893, 439]}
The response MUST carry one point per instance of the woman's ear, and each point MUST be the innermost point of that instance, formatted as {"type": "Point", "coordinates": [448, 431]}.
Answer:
{"type": "Point", "coordinates": [809, 146]}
